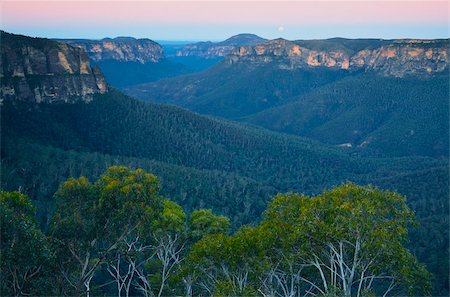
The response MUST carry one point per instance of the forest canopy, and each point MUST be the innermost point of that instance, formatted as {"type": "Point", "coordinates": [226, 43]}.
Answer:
{"type": "Point", "coordinates": [120, 236]}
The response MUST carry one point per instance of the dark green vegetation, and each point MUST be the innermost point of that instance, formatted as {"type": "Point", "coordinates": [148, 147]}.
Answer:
{"type": "Point", "coordinates": [119, 236]}
{"type": "Point", "coordinates": [205, 162]}
{"type": "Point", "coordinates": [348, 45]}
{"type": "Point", "coordinates": [233, 91]}
{"type": "Point", "coordinates": [375, 114]}
{"type": "Point", "coordinates": [368, 111]}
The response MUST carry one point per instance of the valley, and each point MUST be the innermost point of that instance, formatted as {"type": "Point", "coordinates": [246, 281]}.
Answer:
{"type": "Point", "coordinates": [265, 117]}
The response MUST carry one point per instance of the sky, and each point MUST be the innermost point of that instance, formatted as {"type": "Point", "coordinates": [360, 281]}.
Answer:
{"type": "Point", "coordinates": [218, 20]}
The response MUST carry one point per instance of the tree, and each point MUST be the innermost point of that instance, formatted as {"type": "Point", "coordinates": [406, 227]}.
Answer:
{"type": "Point", "coordinates": [92, 221]}
{"type": "Point", "coordinates": [348, 241]}
{"type": "Point", "coordinates": [228, 265]}
{"type": "Point", "coordinates": [25, 252]}
{"type": "Point", "coordinates": [203, 222]}
{"type": "Point", "coordinates": [171, 241]}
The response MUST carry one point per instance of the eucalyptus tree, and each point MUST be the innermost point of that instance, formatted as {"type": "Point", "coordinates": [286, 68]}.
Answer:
{"type": "Point", "coordinates": [201, 223]}
{"type": "Point", "coordinates": [92, 220]}
{"type": "Point", "coordinates": [228, 265]}
{"type": "Point", "coordinates": [349, 241]}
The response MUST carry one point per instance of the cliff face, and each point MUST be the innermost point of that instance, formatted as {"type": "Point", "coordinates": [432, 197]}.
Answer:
{"type": "Point", "coordinates": [42, 70]}
{"type": "Point", "coordinates": [391, 58]}
{"type": "Point", "coordinates": [122, 49]}
{"type": "Point", "coordinates": [210, 50]}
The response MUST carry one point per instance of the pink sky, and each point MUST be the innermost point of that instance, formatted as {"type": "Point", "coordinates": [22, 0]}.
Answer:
{"type": "Point", "coordinates": [27, 15]}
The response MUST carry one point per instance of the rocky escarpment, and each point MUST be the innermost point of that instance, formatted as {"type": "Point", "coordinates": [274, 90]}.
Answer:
{"type": "Point", "coordinates": [122, 49]}
{"type": "Point", "coordinates": [210, 50]}
{"type": "Point", "coordinates": [42, 70]}
{"type": "Point", "coordinates": [391, 58]}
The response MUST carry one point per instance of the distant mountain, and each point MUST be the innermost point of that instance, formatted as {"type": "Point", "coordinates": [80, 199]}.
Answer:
{"type": "Point", "coordinates": [211, 50]}
{"type": "Point", "coordinates": [42, 70]}
{"type": "Point", "coordinates": [122, 49]}
{"type": "Point", "coordinates": [127, 61]}
{"type": "Point", "coordinates": [202, 55]}
{"type": "Point", "coordinates": [391, 58]}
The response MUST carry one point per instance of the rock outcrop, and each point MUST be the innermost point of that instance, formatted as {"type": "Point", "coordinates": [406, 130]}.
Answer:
{"type": "Point", "coordinates": [210, 50]}
{"type": "Point", "coordinates": [43, 70]}
{"type": "Point", "coordinates": [391, 58]}
{"type": "Point", "coordinates": [122, 49]}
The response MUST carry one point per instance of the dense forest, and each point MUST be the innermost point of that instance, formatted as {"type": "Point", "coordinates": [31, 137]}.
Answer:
{"type": "Point", "coordinates": [374, 120]}
{"type": "Point", "coordinates": [233, 91]}
{"type": "Point", "coordinates": [366, 112]}
{"type": "Point", "coordinates": [119, 236]}
{"type": "Point", "coordinates": [207, 163]}
{"type": "Point", "coordinates": [331, 182]}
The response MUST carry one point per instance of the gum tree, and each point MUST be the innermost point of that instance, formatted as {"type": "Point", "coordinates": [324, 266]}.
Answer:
{"type": "Point", "coordinates": [93, 220]}
{"type": "Point", "coordinates": [348, 241]}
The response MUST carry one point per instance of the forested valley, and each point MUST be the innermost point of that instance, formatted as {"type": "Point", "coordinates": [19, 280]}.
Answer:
{"type": "Point", "coordinates": [203, 162]}
{"type": "Point", "coordinates": [320, 180]}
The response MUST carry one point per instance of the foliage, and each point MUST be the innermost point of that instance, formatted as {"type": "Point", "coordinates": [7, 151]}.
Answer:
{"type": "Point", "coordinates": [372, 113]}
{"type": "Point", "coordinates": [92, 220]}
{"type": "Point", "coordinates": [357, 233]}
{"type": "Point", "coordinates": [348, 241]}
{"type": "Point", "coordinates": [203, 222]}
{"type": "Point", "coordinates": [204, 162]}
{"type": "Point", "coordinates": [25, 251]}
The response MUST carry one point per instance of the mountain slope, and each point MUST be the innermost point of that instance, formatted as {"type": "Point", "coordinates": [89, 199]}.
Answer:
{"type": "Point", "coordinates": [371, 94]}
{"type": "Point", "coordinates": [202, 162]}
{"type": "Point", "coordinates": [375, 114]}
{"type": "Point", "coordinates": [233, 91]}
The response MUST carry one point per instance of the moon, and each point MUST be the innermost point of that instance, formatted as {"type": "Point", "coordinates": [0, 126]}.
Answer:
{"type": "Point", "coordinates": [280, 29]}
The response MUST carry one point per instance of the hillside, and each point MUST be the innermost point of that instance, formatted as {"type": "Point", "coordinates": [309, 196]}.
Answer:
{"type": "Point", "coordinates": [234, 91]}
{"type": "Point", "coordinates": [370, 114]}
{"type": "Point", "coordinates": [202, 162]}
{"type": "Point", "coordinates": [364, 93]}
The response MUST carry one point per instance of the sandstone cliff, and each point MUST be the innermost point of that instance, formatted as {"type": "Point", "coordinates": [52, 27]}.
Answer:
{"type": "Point", "coordinates": [392, 58]}
{"type": "Point", "coordinates": [210, 50]}
{"type": "Point", "coordinates": [122, 49]}
{"type": "Point", "coordinates": [42, 70]}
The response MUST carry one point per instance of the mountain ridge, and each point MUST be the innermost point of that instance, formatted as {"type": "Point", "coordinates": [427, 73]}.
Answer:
{"type": "Point", "coordinates": [388, 57]}
{"type": "Point", "coordinates": [211, 50]}
{"type": "Point", "coordinates": [42, 70]}
{"type": "Point", "coordinates": [122, 48]}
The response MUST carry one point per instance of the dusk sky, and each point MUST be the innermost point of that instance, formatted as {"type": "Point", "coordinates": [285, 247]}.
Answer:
{"type": "Point", "coordinates": [218, 20]}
